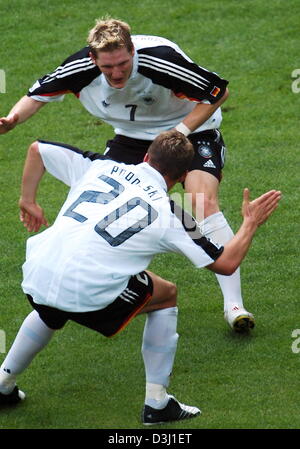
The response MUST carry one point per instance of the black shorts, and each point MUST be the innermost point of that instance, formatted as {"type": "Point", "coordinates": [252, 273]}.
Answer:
{"type": "Point", "coordinates": [209, 151]}
{"type": "Point", "coordinates": [110, 320]}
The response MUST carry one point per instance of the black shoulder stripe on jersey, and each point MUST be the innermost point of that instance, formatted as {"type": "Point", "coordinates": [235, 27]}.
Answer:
{"type": "Point", "coordinates": [86, 154]}
{"type": "Point", "coordinates": [73, 75]}
{"type": "Point", "coordinates": [168, 68]}
{"type": "Point", "coordinates": [191, 228]}
{"type": "Point", "coordinates": [71, 68]}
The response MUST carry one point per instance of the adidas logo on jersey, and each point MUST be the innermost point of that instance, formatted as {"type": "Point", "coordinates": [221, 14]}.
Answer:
{"type": "Point", "coordinates": [209, 164]}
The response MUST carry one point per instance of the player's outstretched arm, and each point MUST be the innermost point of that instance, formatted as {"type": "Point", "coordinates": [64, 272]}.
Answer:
{"type": "Point", "coordinates": [254, 213]}
{"type": "Point", "coordinates": [23, 110]}
{"type": "Point", "coordinates": [31, 214]}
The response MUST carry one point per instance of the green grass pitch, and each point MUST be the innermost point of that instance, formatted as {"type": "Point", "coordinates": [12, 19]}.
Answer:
{"type": "Point", "coordinates": [84, 381]}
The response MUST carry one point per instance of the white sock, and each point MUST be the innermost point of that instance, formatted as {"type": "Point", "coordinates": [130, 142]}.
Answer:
{"type": "Point", "coordinates": [218, 230]}
{"type": "Point", "coordinates": [32, 337]}
{"type": "Point", "coordinates": [158, 349]}
{"type": "Point", "coordinates": [156, 395]}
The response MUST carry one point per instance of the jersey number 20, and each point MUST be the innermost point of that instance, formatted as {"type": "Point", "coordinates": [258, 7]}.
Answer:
{"type": "Point", "coordinates": [93, 196]}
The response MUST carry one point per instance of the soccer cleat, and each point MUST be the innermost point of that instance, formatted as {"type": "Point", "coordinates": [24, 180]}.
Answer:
{"type": "Point", "coordinates": [174, 411]}
{"type": "Point", "coordinates": [13, 398]}
{"type": "Point", "coordinates": [239, 319]}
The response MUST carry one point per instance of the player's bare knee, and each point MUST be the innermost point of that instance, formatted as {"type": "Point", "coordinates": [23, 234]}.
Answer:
{"type": "Point", "coordinates": [203, 205]}
{"type": "Point", "coordinates": [171, 300]}
{"type": "Point", "coordinates": [34, 147]}
{"type": "Point", "coordinates": [210, 205]}
{"type": "Point", "coordinates": [167, 298]}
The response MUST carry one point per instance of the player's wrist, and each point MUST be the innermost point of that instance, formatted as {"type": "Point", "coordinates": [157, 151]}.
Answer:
{"type": "Point", "coordinates": [26, 201]}
{"type": "Point", "coordinates": [182, 128]}
{"type": "Point", "coordinates": [249, 227]}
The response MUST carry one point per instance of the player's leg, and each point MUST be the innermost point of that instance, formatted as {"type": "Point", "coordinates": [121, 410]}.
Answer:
{"type": "Point", "coordinates": [205, 178]}
{"type": "Point", "coordinates": [32, 337]}
{"type": "Point", "coordinates": [34, 334]}
{"type": "Point", "coordinates": [159, 340]}
{"type": "Point", "coordinates": [158, 349]}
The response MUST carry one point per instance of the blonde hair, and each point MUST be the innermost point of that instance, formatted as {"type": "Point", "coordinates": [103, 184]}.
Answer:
{"type": "Point", "coordinates": [109, 34]}
{"type": "Point", "coordinates": [171, 153]}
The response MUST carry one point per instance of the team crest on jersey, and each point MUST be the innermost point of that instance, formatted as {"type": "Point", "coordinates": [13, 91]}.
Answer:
{"type": "Point", "coordinates": [148, 100]}
{"type": "Point", "coordinates": [204, 150]}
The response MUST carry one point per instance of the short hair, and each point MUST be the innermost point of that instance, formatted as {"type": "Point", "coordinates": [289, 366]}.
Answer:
{"type": "Point", "coordinates": [109, 34]}
{"type": "Point", "coordinates": [171, 153]}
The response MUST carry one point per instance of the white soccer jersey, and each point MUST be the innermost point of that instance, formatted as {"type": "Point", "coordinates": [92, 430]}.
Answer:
{"type": "Point", "coordinates": [115, 219]}
{"type": "Point", "coordinates": [162, 89]}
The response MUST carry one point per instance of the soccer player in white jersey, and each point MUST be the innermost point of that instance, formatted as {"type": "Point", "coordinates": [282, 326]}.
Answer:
{"type": "Point", "coordinates": [89, 266]}
{"type": "Point", "coordinates": [143, 85]}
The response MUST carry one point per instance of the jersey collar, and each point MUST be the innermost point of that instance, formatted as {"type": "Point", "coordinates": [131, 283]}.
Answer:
{"type": "Point", "coordinates": [135, 62]}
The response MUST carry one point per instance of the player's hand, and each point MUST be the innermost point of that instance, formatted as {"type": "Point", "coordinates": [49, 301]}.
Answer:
{"type": "Point", "coordinates": [8, 123]}
{"type": "Point", "coordinates": [260, 209]}
{"type": "Point", "coordinates": [32, 216]}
